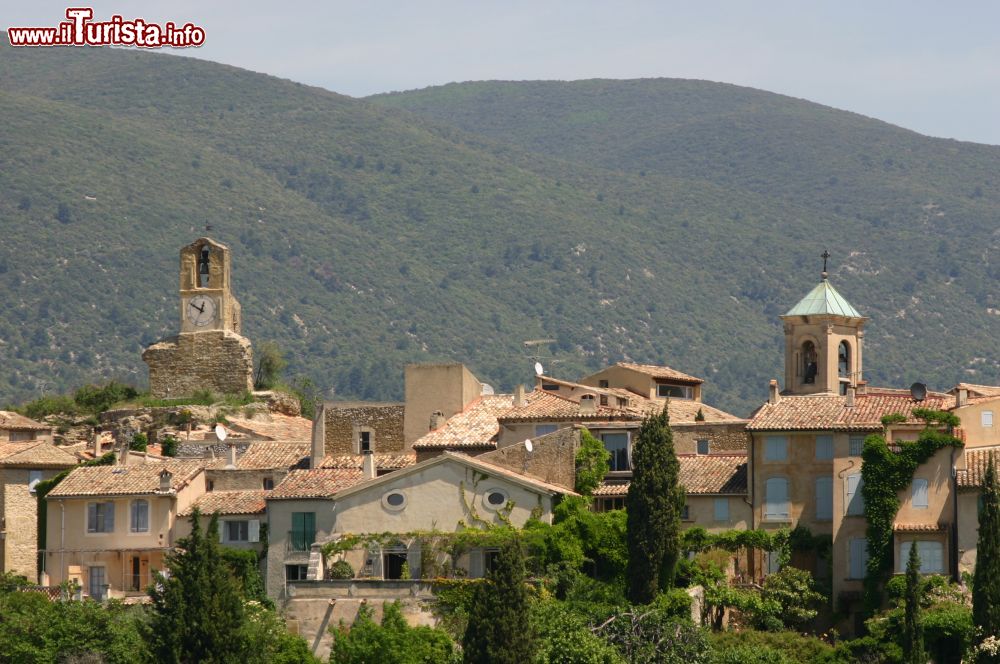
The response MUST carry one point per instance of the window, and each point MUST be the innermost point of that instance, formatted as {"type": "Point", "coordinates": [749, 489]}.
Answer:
{"type": "Point", "coordinates": [931, 556]}
{"type": "Point", "coordinates": [268, 483]}
{"type": "Point", "coordinates": [542, 429]}
{"type": "Point", "coordinates": [237, 531]}
{"type": "Point", "coordinates": [674, 391]}
{"type": "Point", "coordinates": [776, 448]}
{"type": "Point", "coordinates": [101, 517]}
{"type": "Point", "coordinates": [617, 446]}
{"type": "Point", "coordinates": [919, 494]}
{"type": "Point", "coordinates": [604, 399]}
{"type": "Point", "coordinates": [364, 442]}
{"type": "Point", "coordinates": [608, 503]}
{"type": "Point", "coordinates": [858, 558]}
{"type": "Point", "coordinates": [550, 387]}
{"type": "Point", "coordinates": [855, 501]}
{"type": "Point", "coordinates": [296, 572]}
{"type": "Point", "coordinates": [703, 446]}
{"type": "Point", "coordinates": [857, 445]}
{"type": "Point", "coordinates": [34, 477]}
{"type": "Point", "coordinates": [824, 498]}
{"type": "Point", "coordinates": [686, 513]}
{"type": "Point", "coordinates": [773, 562]}
{"type": "Point", "coordinates": [98, 583]}
{"type": "Point", "coordinates": [602, 383]}
{"type": "Point", "coordinates": [987, 418]}
{"type": "Point", "coordinates": [139, 517]}
{"type": "Point", "coordinates": [19, 436]}
{"type": "Point", "coordinates": [776, 499]}
{"type": "Point", "coordinates": [721, 509]}
{"type": "Point", "coordinates": [209, 485]}
{"type": "Point", "coordinates": [824, 448]}
{"type": "Point", "coordinates": [844, 359]}
{"type": "Point", "coordinates": [494, 499]}
{"type": "Point", "coordinates": [808, 367]}
{"type": "Point", "coordinates": [490, 559]}
{"type": "Point", "coordinates": [394, 501]}
{"type": "Point", "coordinates": [303, 530]}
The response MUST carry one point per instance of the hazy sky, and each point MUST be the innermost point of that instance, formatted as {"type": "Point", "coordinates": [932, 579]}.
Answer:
{"type": "Point", "coordinates": [929, 66]}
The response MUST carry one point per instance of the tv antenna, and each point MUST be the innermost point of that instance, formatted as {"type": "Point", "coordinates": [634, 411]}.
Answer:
{"type": "Point", "coordinates": [534, 355]}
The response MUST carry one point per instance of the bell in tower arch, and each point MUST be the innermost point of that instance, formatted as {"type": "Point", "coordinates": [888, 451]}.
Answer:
{"type": "Point", "coordinates": [203, 273]}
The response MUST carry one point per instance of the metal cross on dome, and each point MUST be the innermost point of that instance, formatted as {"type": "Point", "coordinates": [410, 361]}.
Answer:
{"type": "Point", "coordinates": [825, 255]}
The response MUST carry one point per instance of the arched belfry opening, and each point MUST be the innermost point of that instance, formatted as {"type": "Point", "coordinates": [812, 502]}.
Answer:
{"type": "Point", "coordinates": [204, 273]}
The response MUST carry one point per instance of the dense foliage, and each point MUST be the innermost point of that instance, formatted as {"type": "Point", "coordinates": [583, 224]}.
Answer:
{"type": "Point", "coordinates": [359, 233]}
{"type": "Point", "coordinates": [592, 463]}
{"type": "Point", "coordinates": [655, 500]}
{"type": "Point", "coordinates": [365, 641]}
{"type": "Point", "coordinates": [913, 629]}
{"type": "Point", "coordinates": [986, 583]}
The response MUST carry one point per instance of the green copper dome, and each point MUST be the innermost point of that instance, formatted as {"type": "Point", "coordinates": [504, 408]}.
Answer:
{"type": "Point", "coordinates": [824, 299]}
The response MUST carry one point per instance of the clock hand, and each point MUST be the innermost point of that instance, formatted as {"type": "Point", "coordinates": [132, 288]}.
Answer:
{"type": "Point", "coordinates": [200, 309]}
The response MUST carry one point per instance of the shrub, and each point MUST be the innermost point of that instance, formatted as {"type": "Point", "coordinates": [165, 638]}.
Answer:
{"type": "Point", "coordinates": [791, 589]}
{"type": "Point", "coordinates": [591, 463]}
{"type": "Point", "coordinates": [98, 398]}
{"type": "Point", "coordinates": [948, 632]}
{"type": "Point", "coordinates": [750, 655]}
{"type": "Point", "coordinates": [340, 570]}
{"type": "Point", "coordinates": [168, 446]}
{"type": "Point", "coordinates": [565, 638]}
{"type": "Point", "coordinates": [392, 641]}
{"type": "Point", "coordinates": [791, 646]}
{"type": "Point", "coordinates": [139, 442]}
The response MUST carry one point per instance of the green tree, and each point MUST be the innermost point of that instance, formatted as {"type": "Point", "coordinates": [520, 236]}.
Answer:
{"type": "Point", "coordinates": [791, 592]}
{"type": "Point", "coordinates": [591, 464]}
{"type": "Point", "coordinates": [986, 582]}
{"type": "Point", "coordinates": [198, 613]}
{"type": "Point", "coordinates": [913, 631]}
{"type": "Point", "coordinates": [392, 641]}
{"type": "Point", "coordinates": [500, 629]}
{"type": "Point", "coordinates": [271, 364]}
{"type": "Point", "coordinates": [655, 501]}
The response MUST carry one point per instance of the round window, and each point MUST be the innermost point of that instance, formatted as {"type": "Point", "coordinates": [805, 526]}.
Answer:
{"type": "Point", "coordinates": [494, 499]}
{"type": "Point", "coordinates": [394, 500]}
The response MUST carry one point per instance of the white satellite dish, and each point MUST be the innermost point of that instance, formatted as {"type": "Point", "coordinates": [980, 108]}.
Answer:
{"type": "Point", "coordinates": [528, 446]}
{"type": "Point", "coordinates": [539, 369]}
{"type": "Point", "coordinates": [220, 432]}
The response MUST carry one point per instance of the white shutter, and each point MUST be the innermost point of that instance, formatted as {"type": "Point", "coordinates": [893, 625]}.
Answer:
{"type": "Point", "coordinates": [855, 500]}
{"type": "Point", "coordinates": [920, 493]}
{"type": "Point", "coordinates": [776, 498]}
{"type": "Point", "coordinates": [222, 530]}
{"type": "Point", "coordinates": [824, 497]}
{"type": "Point", "coordinates": [987, 418]}
{"type": "Point", "coordinates": [931, 557]}
{"type": "Point", "coordinates": [254, 530]}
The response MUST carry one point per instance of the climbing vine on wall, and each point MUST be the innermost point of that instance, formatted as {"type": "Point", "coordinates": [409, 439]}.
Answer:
{"type": "Point", "coordinates": [885, 472]}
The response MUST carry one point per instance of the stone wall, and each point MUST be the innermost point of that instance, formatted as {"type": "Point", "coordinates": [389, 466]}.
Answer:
{"type": "Point", "coordinates": [19, 509]}
{"type": "Point", "coordinates": [220, 361]}
{"type": "Point", "coordinates": [240, 480]}
{"type": "Point", "coordinates": [730, 437]}
{"type": "Point", "coordinates": [552, 458]}
{"type": "Point", "coordinates": [345, 420]}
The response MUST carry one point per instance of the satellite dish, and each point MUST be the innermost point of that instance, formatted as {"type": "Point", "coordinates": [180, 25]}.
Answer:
{"type": "Point", "coordinates": [220, 432]}
{"type": "Point", "coordinates": [528, 446]}
{"type": "Point", "coordinates": [918, 391]}
{"type": "Point", "coordinates": [539, 369]}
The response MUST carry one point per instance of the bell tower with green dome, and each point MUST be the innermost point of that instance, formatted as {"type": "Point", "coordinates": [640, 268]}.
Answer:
{"type": "Point", "coordinates": [823, 342]}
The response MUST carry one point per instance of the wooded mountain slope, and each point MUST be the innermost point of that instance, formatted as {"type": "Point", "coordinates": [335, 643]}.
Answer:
{"type": "Point", "coordinates": [366, 237]}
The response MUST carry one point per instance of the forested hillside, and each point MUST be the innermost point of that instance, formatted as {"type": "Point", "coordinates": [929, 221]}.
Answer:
{"type": "Point", "coordinates": [367, 237]}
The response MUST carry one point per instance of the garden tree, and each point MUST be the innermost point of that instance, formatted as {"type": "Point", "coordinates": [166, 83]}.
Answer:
{"type": "Point", "coordinates": [591, 464]}
{"type": "Point", "coordinates": [986, 582]}
{"type": "Point", "coordinates": [655, 501]}
{"type": "Point", "coordinates": [791, 591]}
{"type": "Point", "coordinates": [564, 637]}
{"type": "Point", "coordinates": [198, 611]}
{"type": "Point", "coordinates": [913, 632]}
{"type": "Point", "coordinates": [650, 635]}
{"type": "Point", "coordinates": [392, 641]}
{"type": "Point", "coordinates": [500, 629]}
{"type": "Point", "coordinates": [270, 365]}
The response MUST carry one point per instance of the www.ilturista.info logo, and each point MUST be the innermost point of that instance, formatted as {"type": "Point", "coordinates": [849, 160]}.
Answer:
{"type": "Point", "coordinates": [79, 30]}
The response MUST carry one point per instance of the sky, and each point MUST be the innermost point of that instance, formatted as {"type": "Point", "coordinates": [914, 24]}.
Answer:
{"type": "Point", "coordinates": [932, 67]}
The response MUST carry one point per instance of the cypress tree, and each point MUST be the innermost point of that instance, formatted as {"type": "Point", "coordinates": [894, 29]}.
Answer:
{"type": "Point", "coordinates": [198, 611]}
{"type": "Point", "coordinates": [913, 629]}
{"type": "Point", "coordinates": [500, 629]}
{"type": "Point", "coordinates": [655, 501]}
{"type": "Point", "coordinates": [986, 581]}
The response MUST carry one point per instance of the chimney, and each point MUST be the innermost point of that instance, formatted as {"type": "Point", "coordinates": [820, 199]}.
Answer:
{"type": "Point", "coordinates": [318, 450]}
{"type": "Point", "coordinates": [850, 397]}
{"type": "Point", "coordinates": [862, 387]}
{"type": "Point", "coordinates": [165, 478]}
{"type": "Point", "coordinates": [231, 457]}
{"type": "Point", "coordinates": [96, 444]}
{"type": "Point", "coordinates": [368, 465]}
{"type": "Point", "coordinates": [588, 404]}
{"type": "Point", "coordinates": [961, 397]}
{"type": "Point", "coordinates": [774, 395]}
{"type": "Point", "coordinates": [519, 396]}
{"type": "Point", "coordinates": [437, 420]}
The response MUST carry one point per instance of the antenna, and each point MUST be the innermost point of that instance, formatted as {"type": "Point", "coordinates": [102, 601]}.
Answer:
{"type": "Point", "coordinates": [528, 446]}
{"type": "Point", "coordinates": [918, 391]}
{"type": "Point", "coordinates": [539, 369]}
{"type": "Point", "coordinates": [220, 432]}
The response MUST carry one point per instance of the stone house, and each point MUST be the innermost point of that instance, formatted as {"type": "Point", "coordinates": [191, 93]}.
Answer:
{"type": "Point", "coordinates": [109, 527]}
{"type": "Point", "coordinates": [22, 466]}
{"type": "Point", "coordinates": [16, 428]}
{"type": "Point", "coordinates": [242, 517]}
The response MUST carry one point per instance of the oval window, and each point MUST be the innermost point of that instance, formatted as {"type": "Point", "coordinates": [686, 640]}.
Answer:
{"type": "Point", "coordinates": [394, 500]}
{"type": "Point", "coordinates": [495, 499]}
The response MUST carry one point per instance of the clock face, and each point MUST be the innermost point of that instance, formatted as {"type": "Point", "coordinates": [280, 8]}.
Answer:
{"type": "Point", "coordinates": [201, 310]}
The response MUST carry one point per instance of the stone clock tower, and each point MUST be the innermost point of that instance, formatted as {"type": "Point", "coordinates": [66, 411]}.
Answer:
{"type": "Point", "coordinates": [209, 353]}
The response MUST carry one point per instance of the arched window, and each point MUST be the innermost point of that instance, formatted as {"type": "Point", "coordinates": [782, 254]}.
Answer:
{"type": "Point", "coordinates": [809, 362]}
{"type": "Point", "coordinates": [844, 359]}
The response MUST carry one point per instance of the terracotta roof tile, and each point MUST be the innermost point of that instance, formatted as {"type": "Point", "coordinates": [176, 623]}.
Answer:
{"type": "Point", "coordinates": [315, 483]}
{"type": "Point", "coordinates": [134, 478]}
{"type": "Point", "coordinates": [976, 462]}
{"type": "Point", "coordinates": [12, 420]}
{"type": "Point", "coordinates": [382, 461]}
{"type": "Point", "coordinates": [657, 371]}
{"type": "Point", "coordinates": [267, 455]}
{"type": "Point", "coordinates": [827, 412]}
{"type": "Point", "coordinates": [543, 405]}
{"type": "Point", "coordinates": [979, 390]}
{"type": "Point", "coordinates": [474, 427]}
{"type": "Point", "coordinates": [700, 475]}
{"type": "Point", "coordinates": [35, 454]}
{"type": "Point", "coordinates": [229, 502]}
{"type": "Point", "coordinates": [275, 427]}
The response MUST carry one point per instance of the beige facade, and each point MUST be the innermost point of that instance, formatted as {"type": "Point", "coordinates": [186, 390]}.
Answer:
{"type": "Point", "coordinates": [643, 383]}
{"type": "Point", "coordinates": [436, 391]}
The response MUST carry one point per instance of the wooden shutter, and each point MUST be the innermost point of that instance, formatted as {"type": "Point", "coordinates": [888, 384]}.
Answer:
{"type": "Point", "coordinates": [855, 500]}
{"type": "Point", "coordinates": [824, 497]}
{"type": "Point", "coordinates": [109, 517]}
{"type": "Point", "coordinates": [920, 493]}
{"type": "Point", "coordinates": [254, 530]}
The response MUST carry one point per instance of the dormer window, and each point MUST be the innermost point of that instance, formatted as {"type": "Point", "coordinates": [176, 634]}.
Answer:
{"type": "Point", "coordinates": [664, 390]}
